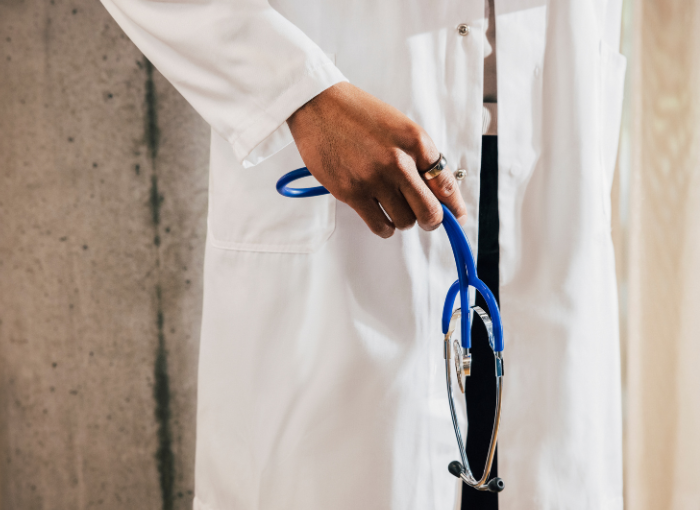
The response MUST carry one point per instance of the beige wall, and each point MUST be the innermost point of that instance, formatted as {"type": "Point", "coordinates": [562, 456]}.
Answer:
{"type": "Point", "coordinates": [102, 221]}
{"type": "Point", "coordinates": [662, 272]}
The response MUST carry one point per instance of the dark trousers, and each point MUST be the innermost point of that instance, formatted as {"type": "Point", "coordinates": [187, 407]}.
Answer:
{"type": "Point", "coordinates": [480, 391]}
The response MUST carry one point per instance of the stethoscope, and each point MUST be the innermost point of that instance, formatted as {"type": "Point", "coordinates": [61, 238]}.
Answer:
{"type": "Point", "coordinates": [455, 354]}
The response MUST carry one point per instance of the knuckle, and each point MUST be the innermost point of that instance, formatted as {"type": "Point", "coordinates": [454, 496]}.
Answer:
{"type": "Point", "coordinates": [345, 194]}
{"type": "Point", "coordinates": [392, 158]}
{"type": "Point", "coordinates": [405, 223]}
{"type": "Point", "coordinates": [393, 167]}
{"type": "Point", "coordinates": [425, 151]}
{"type": "Point", "coordinates": [428, 150]}
{"type": "Point", "coordinates": [447, 187]}
{"type": "Point", "coordinates": [383, 231]}
{"type": "Point", "coordinates": [414, 136]}
{"type": "Point", "coordinates": [419, 141]}
{"type": "Point", "coordinates": [352, 191]}
{"type": "Point", "coordinates": [435, 218]}
{"type": "Point", "coordinates": [432, 218]}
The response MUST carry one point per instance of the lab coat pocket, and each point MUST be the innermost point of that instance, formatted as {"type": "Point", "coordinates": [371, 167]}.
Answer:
{"type": "Point", "coordinates": [613, 66]}
{"type": "Point", "coordinates": [247, 214]}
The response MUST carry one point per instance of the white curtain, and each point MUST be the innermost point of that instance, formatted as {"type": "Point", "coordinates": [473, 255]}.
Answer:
{"type": "Point", "coordinates": [657, 236]}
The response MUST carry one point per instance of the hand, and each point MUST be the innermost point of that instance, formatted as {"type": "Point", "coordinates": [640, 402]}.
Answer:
{"type": "Point", "coordinates": [367, 153]}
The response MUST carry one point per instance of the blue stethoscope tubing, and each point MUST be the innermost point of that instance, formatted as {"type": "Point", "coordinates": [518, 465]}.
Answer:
{"type": "Point", "coordinates": [466, 267]}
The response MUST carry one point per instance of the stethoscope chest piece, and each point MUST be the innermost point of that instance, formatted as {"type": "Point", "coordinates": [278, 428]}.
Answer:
{"type": "Point", "coordinates": [463, 363]}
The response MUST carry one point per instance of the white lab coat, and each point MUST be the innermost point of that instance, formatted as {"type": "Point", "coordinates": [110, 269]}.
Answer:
{"type": "Point", "coordinates": [321, 372]}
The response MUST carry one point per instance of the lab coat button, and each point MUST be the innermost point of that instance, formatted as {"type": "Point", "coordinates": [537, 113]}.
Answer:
{"type": "Point", "coordinates": [463, 29]}
{"type": "Point", "coordinates": [460, 174]}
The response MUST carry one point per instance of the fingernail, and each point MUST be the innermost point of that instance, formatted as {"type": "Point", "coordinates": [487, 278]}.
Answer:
{"type": "Point", "coordinates": [462, 220]}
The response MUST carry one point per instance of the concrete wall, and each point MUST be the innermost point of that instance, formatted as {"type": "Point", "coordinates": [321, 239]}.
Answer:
{"type": "Point", "coordinates": [102, 220]}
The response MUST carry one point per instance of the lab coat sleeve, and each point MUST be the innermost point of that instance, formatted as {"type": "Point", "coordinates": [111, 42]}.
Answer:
{"type": "Point", "coordinates": [612, 23]}
{"type": "Point", "coordinates": [243, 66]}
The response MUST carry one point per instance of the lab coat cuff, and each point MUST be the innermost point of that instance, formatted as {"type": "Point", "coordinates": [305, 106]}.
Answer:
{"type": "Point", "coordinates": [268, 133]}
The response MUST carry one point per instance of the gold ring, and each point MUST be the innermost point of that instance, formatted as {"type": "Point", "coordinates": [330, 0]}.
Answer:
{"type": "Point", "coordinates": [435, 170]}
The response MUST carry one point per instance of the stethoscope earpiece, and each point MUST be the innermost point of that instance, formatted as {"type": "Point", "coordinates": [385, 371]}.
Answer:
{"type": "Point", "coordinates": [496, 485]}
{"type": "Point", "coordinates": [456, 468]}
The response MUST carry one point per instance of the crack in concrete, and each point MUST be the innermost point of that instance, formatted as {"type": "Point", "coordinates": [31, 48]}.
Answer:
{"type": "Point", "coordinates": [161, 391]}
{"type": "Point", "coordinates": [165, 458]}
{"type": "Point", "coordinates": [156, 199]}
{"type": "Point", "coordinates": [152, 129]}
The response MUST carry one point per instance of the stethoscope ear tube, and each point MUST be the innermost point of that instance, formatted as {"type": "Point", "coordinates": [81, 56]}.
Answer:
{"type": "Point", "coordinates": [466, 271]}
{"type": "Point", "coordinates": [466, 267]}
{"type": "Point", "coordinates": [284, 190]}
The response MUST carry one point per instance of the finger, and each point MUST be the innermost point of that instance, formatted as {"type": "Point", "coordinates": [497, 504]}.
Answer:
{"type": "Point", "coordinates": [396, 206]}
{"type": "Point", "coordinates": [422, 201]}
{"type": "Point", "coordinates": [446, 189]}
{"type": "Point", "coordinates": [374, 217]}
{"type": "Point", "coordinates": [420, 147]}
